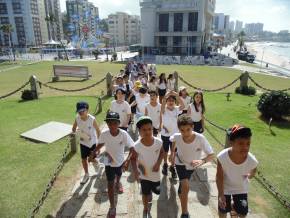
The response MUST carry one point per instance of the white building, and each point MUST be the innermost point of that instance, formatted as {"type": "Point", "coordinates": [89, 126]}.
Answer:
{"type": "Point", "coordinates": [27, 18]}
{"type": "Point", "coordinates": [221, 23]}
{"type": "Point", "coordinates": [253, 29]}
{"type": "Point", "coordinates": [181, 27]}
{"type": "Point", "coordinates": [232, 26]}
{"type": "Point", "coordinates": [239, 26]}
{"type": "Point", "coordinates": [124, 29]}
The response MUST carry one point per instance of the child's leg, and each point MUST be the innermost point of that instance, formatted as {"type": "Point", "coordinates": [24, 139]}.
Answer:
{"type": "Point", "coordinates": [118, 173]}
{"type": "Point", "coordinates": [241, 204]}
{"type": "Point", "coordinates": [146, 200]}
{"type": "Point", "coordinates": [85, 165]}
{"type": "Point", "coordinates": [85, 152]}
{"type": "Point", "coordinates": [222, 215]}
{"type": "Point", "coordinates": [110, 183]}
{"type": "Point", "coordinates": [183, 195]}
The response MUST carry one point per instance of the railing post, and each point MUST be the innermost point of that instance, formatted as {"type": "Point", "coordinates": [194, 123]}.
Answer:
{"type": "Point", "coordinates": [244, 80]}
{"type": "Point", "coordinates": [73, 143]}
{"type": "Point", "coordinates": [33, 86]}
{"type": "Point", "coordinates": [109, 79]}
{"type": "Point", "coordinates": [175, 75]}
{"type": "Point", "coordinates": [227, 141]}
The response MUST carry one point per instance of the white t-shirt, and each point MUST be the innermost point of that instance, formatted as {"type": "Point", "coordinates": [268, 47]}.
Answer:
{"type": "Point", "coordinates": [162, 85]}
{"type": "Point", "coordinates": [195, 150]}
{"type": "Point", "coordinates": [186, 101]}
{"type": "Point", "coordinates": [170, 84]}
{"type": "Point", "coordinates": [123, 110]}
{"type": "Point", "coordinates": [147, 158]}
{"type": "Point", "coordinates": [87, 131]}
{"type": "Point", "coordinates": [154, 113]}
{"type": "Point", "coordinates": [115, 146]}
{"type": "Point", "coordinates": [142, 102]}
{"type": "Point", "coordinates": [153, 86]}
{"type": "Point", "coordinates": [235, 180]}
{"type": "Point", "coordinates": [169, 120]}
{"type": "Point", "coordinates": [195, 116]}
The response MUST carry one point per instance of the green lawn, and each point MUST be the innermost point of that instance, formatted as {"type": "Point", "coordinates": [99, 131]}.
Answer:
{"type": "Point", "coordinates": [26, 166]}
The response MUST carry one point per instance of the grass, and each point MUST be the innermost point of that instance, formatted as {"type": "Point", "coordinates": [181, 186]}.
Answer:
{"type": "Point", "coordinates": [27, 166]}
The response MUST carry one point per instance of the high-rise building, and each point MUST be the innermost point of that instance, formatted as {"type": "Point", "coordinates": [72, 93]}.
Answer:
{"type": "Point", "coordinates": [83, 15]}
{"type": "Point", "coordinates": [232, 26]}
{"type": "Point", "coordinates": [27, 18]}
{"type": "Point", "coordinates": [124, 29]}
{"type": "Point", "coordinates": [221, 23]}
{"type": "Point", "coordinates": [253, 29]}
{"type": "Point", "coordinates": [239, 26]}
{"type": "Point", "coordinates": [178, 27]}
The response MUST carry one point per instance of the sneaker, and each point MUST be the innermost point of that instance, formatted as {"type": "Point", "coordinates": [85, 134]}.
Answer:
{"type": "Point", "coordinates": [85, 179]}
{"type": "Point", "coordinates": [173, 172]}
{"type": "Point", "coordinates": [164, 170]}
{"type": "Point", "coordinates": [111, 213]}
{"type": "Point", "coordinates": [185, 215]}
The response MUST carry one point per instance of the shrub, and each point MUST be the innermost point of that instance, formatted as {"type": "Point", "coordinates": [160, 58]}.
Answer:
{"type": "Point", "coordinates": [246, 90]}
{"type": "Point", "coordinates": [275, 104]}
{"type": "Point", "coordinates": [27, 95]}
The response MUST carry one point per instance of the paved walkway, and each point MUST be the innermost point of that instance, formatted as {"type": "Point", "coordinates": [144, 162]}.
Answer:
{"type": "Point", "coordinates": [90, 200]}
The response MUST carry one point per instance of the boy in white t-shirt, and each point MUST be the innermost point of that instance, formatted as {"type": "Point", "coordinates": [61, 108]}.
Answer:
{"type": "Point", "coordinates": [169, 115]}
{"type": "Point", "coordinates": [147, 164]}
{"type": "Point", "coordinates": [142, 99]}
{"type": "Point", "coordinates": [236, 165]}
{"type": "Point", "coordinates": [121, 107]}
{"type": "Point", "coordinates": [115, 140]}
{"type": "Point", "coordinates": [187, 154]}
{"type": "Point", "coordinates": [153, 110]}
{"type": "Point", "coordinates": [89, 133]}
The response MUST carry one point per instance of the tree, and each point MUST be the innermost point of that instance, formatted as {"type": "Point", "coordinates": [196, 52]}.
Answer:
{"type": "Point", "coordinates": [241, 39]}
{"type": "Point", "coordinates": [7, 29]}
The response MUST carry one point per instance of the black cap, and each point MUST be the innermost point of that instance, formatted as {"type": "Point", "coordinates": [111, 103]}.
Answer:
{"type": "Point", "coordinates": [112, 116]}
{"type": "Point", "coordinates": [82, 106]}
{"type": "Point", "coordinates": [143, 90]}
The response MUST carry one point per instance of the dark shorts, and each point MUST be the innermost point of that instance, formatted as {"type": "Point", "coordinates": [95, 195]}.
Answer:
{"type": "Point", "coordinates": [86, 151]}
{"type": "Point", "coordinates": [112, 172]}
{"type": "Point", "coordinates": [197, 127]}
{"type": "Point", "coordinates": [166, 143]}
{"type": "Point", "coordinates": [124, 128]}
{"type": "Point", "coordinates": [240, 204]}
{"type": "Point", "coordinates": [182, 173]}
{"type": "Point", "coordinates": [155, 131]}
{"type": "Point", "coordinates": [147, 187]}
{"type": "Point", "coordinates": [161, 92]}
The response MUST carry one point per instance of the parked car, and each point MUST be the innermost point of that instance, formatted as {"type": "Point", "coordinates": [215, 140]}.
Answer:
{"type": "Point", "coordinates": [246, 56]}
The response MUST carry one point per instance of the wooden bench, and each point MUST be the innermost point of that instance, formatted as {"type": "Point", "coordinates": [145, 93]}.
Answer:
{"type": "Point", "coordinates": [70, 71]}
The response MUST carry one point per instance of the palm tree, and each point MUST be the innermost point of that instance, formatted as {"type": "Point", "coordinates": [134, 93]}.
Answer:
{"type": "Point", "coordinates": [241, 40]}
{"type": "Point", "coordinates": [7, 29]}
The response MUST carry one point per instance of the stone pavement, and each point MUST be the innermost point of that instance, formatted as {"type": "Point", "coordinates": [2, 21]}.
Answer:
{"type": "Point", "coordinates": [90, 200]}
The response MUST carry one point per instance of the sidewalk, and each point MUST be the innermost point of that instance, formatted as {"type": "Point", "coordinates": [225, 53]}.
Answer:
{"type": "Point", "coordinates": [90, 200]}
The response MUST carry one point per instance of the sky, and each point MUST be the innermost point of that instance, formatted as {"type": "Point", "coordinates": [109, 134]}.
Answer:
{"type": "Point", "coordinates": [275, 14]}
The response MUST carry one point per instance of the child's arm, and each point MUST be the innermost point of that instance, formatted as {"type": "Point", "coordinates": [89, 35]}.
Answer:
{"type": "Point", "coordinates": [180, 102]}
{"type": "Point", "coordinates": [173, 153]}
{"type": "Point", "coordinates": [134, 167]}
{"type": "Point", "coordinates": [74, 128]}
{"type": "Point", "coordinates": [159, 161]}
{"type": "Point", "coordinates": [97, 128]}
{"type": "Point", "coordinates": [252, 173]}
{"type": "Point", "coordinates": [164, 103]}
{"type": "Point", "coordinates": [146, 111]}
{"type": "Point", "coordinates": [134, 103]}
{"type": "Point", "coordinates": [220, 185]}
{"type": "Point", "coordinates": [202, 121]}
{"type": "Point", "coordinates": [132, 155]}
{"type": "Point", "coordinates": [99, 146]}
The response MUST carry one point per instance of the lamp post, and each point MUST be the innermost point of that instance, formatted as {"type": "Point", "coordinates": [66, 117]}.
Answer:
{"type": "Point", "coordinates": [262, 58]}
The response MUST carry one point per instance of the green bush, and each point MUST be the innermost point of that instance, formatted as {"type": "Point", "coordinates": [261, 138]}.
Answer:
{"type": "Point", "coordinates": [27, 95]}
{"type": "Point", "coordinates": [275, 104]}
{"type": "Point", "coordinates": [246, 90]}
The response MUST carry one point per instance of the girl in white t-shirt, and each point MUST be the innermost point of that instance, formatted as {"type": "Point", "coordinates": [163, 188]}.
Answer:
{"type": "Point", "coordinates": [184, 96]}
{"type": "Point", "coordinates": [169, 115]}
{"type": "Point", "coordinates": [187, 154]}
{"type": "Point", "coordinates": [170, 83]}
{"type": "Point", "coordinates": [162, 87]}
{"type": "Point", "coordinates": [236, 166]}
{"type": "Point", "coordinates": [153, 84]}
{"type": "Point", "coordinates": [142, 99]}
{"type": "Point", "coordinates": [196, 111]}
{"type": "Point", "coordinates": [153, 110]}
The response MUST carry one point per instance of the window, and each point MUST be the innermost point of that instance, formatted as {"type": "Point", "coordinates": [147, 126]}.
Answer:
{"type": "Point", "coordinates": [178, 22]}
{"type": "Point", "coordinates": [162, 41]}
{"type": "Point", "coordinates": [3, 8]}
{"type": "Point", "coordinates": [163, 22]}
{"type": "Point", "coordinates": [177, 43]}
{"type": "Point", "coordinates": [16, 7]}
{"type": "Point", "coordinates": [4, 20]}
{"type": "Point", "coordinates": [20, 31]}
{"type": "Point", "coordinates": [191, 45]}
{"type": "Point", "coordinates": [192, 21]}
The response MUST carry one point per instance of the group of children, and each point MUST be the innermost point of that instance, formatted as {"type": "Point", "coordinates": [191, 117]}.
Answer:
{"type": "Point", "coordinates": [180, 123]}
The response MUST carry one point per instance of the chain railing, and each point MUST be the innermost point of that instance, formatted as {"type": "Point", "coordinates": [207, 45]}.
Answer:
{"type": "Point", "coordinates": [71, 90]}
{"type": "Point", "coordinates": [209, 90]}
{"type": "Point", "coordinates": [15, 91]}
{"type": "Point", "coordinates": [49, 185]}
{"type": "Point", "coordinates": [266, 89]}
{"type": "Point", "coordinates": [259, 176]}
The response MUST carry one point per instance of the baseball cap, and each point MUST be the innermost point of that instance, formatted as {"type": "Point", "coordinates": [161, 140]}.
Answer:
{"type": "Point", "coordinates": [138, 84]}
{"type": "Point", "coordinates": [82, 106]}
{"type": "Point", "coordinates": [112, 116]}
{"type": "Point", "coordinates": [142, 120]}
{"type": "Point", "coordinates": [181, 88]}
